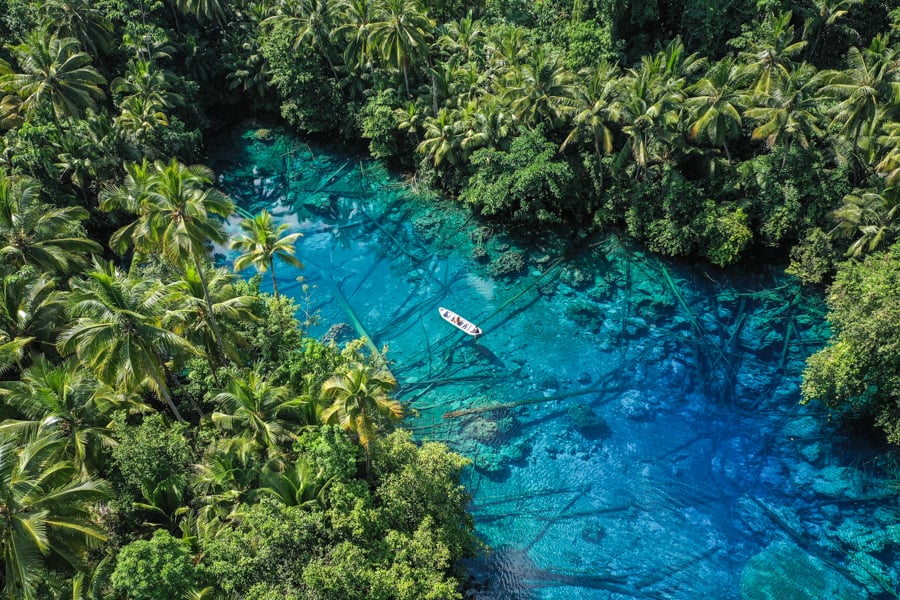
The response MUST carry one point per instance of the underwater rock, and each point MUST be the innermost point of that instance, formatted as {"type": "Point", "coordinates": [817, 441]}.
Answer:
{"type": "Point", "coordinates": [550, 383]}
{"type": "Point", "coordinates": [583, 313]}
{"type": "Point", "coordinates": [812, 452]}
{"type": "Point", "coordinates": [339, 334]}
{"type": "Point", "coordinates": [489, 431]}
{"type": "Point", "coordinates": [584, 379]}
{"type": "Point", "coordinates": [635, 407]}
{"type": "Point", "coordinates": [497, 460]}
{"type": "Point", "coordinates": [575, 277]}
{"type": "Point", "coordinates": [873, 573]}
{"type": "Point", "coordinates": [752, 383]}
{"type": "Point", "coordinates": [861, 536]}
{"type": "Point", "coordinates": [757, 335]}
{"type": "Point", "coordinates": [635, 326]}
{"type": "Point", "coordinates": [586, 422]}
{"type": "Point", "coordinates": [784, 571]}
{"type": "Point", "coordinates": [837, 482]}
{"type": "Point", "coordinates": [802, 428]}
{"type": "Point", "coordinates": [482, 430]}
{"type": "Point", "coordinates": [593, 532]}
{"type": "Point", "coordinates": [507, 265]}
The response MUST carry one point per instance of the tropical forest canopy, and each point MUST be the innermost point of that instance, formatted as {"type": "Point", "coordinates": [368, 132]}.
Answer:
{"type": "Point", "coordinates": [169, 431]}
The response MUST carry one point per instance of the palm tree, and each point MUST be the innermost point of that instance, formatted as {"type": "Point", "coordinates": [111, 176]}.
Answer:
{"type": "Point", "coordinates": [771, 57]}
{"type": "Point", "coordinates": [296, 486]}
{"type": "Point", "coordinates": [144, 80]}
{"type": "Point", "coordinates": [821, 17]}
{"type": "Point", "coordinates": [889, 165]}
{"type": "Point", "coordinates": [443, 138]}
{"type": "Point", "coordinates": [253, 409]}
{"type": "Point", "coordinates": [463, 38]}
{"type": "Point", "coordinates": [648, 110]}
{"type": "Point", "coordinates": [140, 116]}
{"type": "Point", "coordinates": [54, 72]}
{"type": "Point", "coordinates": [188, 315]}
{"type": "Point", "coordinates": [46, 516]}
{"type": "Point", "coordinates": [715, 102]}
{"type": "Point", "coordinates": [491, 127]}
{"type": "Point", "coordinates": [542, 89]}
{"type": "Point", "coordinates": [226, 476]}
{"type": "Point", "coordinates": [507, 45]}
{"type": "Point", "coordinates": [355, 30]}
{"type": "Point", "coordinates": [869, 215]}
{"type": "Point", "coordinates": [867, 88]}
{"type": "Point", "coordinates": [261, 243]}
{"type": "Point", "coordinates": [80, 20]}
{"type": "Point", "coordinates": [790, 112]}
{"type": "Point", "coordinates": [32, 233]}
{"type": "Point", "coordinates": [11, 351]}
{"type": "Point", "coordinates": [313, 21]}
{"type": "Point", "coordinates": [30, 307]}
{"type": "Point", "coordinates": [57, 399]}
{"type": "Point", "coordinates": [595, 110]}
{"type": "Point", "coordinates": [360, 402]}
{"type": "Point", "coordinates": [10, 107]}
{"type": "Point", "coordinates": [401, 34]}
{"type": "Point", "coordinates": [177, 214]}
{"type": "Point", "coordinates": [204, 10]}
{"type": "Point", "coordinates": [117, 332]}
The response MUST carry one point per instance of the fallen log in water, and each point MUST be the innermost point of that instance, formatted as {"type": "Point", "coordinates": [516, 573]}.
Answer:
{"type": "Point", "coordinates": [507, 405]}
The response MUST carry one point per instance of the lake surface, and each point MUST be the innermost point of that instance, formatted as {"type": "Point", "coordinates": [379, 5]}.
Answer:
{"type": "Point", "coordinates": [634, 424]}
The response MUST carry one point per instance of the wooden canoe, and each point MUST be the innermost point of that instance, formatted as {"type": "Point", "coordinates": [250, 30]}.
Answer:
{"type": "Point", "coordinates": [459, 322]}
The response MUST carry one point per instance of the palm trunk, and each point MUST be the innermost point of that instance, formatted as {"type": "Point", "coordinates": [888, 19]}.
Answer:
{"type": "Point", "coordinates": [274, 280]}
{"type": "Point", "coordinates": [214, 325]}
{"type": "Point", "coordinates": [162, 389]}
{"type": "Point", "coordinates": [171, 378]}
{"type": "Point", "coordinates": [406, 82]}
{"type": "Point", "coordinates": [599, 159]}
{"type": "Point", "coordinates": [434, 98]}
{"type": "Point", "coordinates": [727, 153]}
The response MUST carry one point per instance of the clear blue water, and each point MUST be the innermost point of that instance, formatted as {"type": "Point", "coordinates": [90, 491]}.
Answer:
{"type": "Point", "coordinates": [645, 440]}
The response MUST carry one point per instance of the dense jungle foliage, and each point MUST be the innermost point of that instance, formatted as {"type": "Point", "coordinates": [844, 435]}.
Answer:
{"type": "Point", "coordinates": [170, 432]}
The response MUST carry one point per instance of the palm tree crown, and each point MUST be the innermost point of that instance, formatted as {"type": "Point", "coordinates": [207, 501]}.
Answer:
{"type": "Point", "coordinates": [46, 520]}
{"type": "Point", "coordinates": [117, 331]}
{"type": "Point", "coordinates": [33, 233]}
{"type": "Point", "coordinates": [54, 72]}
{"type": "Point", "coordinates": [261, 243]}
{"type": "Point", "coordinates": [360, 401]}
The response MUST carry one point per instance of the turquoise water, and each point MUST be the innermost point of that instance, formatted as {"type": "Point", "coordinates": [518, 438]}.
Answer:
{"type": "Point", "coordinates": [634, 424]}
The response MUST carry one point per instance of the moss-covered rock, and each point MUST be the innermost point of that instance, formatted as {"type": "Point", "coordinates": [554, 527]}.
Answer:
{"type": "Point", "coordinates": [784, 571]}
{"type": "Point", "coordinates": [587, 422]}
{"type": "Point", "coordinates": [508, 264]}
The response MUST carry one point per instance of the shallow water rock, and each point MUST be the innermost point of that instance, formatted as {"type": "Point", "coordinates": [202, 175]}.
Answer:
{"type": "Point", "coordinates": [752, 383]}
{"type": "Point", "coordinates": [784, 571]}
{"type": "Point", "coordinates": [587, 422]}
{"type": "Point", "coordinates": [635, 406]}
{"type": "Point", "coordinates": [837, 482]}
{"type": "Point", "coordinates": [757, 335]}
{"type": "Point", "coordinates": [812, 452]}
{"type": "Point", "coordinates": [876, 575]}
{"type": "Point", "coordinates": [801, 428]}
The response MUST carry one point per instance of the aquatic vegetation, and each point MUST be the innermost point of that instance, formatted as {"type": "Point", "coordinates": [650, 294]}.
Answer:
{"type": "Point", "coordinates": [509, 264]}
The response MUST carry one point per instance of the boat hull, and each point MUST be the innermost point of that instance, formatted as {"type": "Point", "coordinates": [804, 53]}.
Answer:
{"type": "Point", "coordinates": [459, 322]}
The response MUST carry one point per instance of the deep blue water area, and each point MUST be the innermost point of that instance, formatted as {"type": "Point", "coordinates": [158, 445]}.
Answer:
{"type": "Point", "coordinates": [634, 424]}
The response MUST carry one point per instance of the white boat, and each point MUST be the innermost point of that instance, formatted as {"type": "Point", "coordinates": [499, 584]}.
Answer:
{"type": "Point", "coordinates": [459, 322]}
